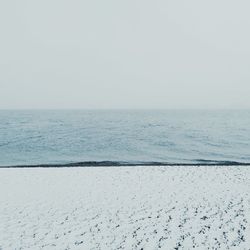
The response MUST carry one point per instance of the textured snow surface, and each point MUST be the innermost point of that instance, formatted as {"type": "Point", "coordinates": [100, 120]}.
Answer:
{"type": "Point", "coordinates": [125, 208]}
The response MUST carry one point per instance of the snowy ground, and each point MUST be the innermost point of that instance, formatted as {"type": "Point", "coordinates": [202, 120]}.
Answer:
{"type": "Point", "coordinates": [125, 208]}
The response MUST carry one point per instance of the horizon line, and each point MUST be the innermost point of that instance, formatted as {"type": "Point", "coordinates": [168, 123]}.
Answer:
{"type": "Point", "coordinates": [89, 109]}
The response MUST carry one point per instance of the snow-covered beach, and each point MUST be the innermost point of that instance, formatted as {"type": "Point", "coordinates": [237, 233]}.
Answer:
{"type": "Point", "coordinates": [206, 207]}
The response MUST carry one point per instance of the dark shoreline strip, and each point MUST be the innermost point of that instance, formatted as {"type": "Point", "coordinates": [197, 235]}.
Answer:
{"type": "Point", "coordinates": [129, 164]}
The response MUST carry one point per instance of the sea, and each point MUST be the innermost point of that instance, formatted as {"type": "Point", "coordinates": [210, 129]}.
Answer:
{"type": "Point", "coordinates": [47, 138]}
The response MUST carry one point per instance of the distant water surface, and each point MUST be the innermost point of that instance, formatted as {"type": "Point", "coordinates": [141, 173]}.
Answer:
{"type": "Point", "coordinates": [173, 136]}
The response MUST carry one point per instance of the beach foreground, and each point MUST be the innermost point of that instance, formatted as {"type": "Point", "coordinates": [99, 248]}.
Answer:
{"type": "Point", "coordinates": [125, 208]}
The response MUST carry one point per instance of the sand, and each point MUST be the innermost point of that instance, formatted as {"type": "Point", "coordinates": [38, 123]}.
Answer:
{"type": "Point", "coordinates": [125, 208]}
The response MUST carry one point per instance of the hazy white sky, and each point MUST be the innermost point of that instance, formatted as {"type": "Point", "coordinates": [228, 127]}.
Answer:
{"type": "Point", "coordinates": [124, 54]}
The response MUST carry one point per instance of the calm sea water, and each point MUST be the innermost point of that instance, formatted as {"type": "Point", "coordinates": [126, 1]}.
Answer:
{"type": "Point", "coordinates": [61, 137]}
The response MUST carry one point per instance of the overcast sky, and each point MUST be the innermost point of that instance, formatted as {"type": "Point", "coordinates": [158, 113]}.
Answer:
{"type": "Point", "coordinates": [124, 54]}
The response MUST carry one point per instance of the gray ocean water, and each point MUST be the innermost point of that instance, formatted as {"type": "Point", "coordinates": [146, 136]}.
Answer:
{"type": "Point", "coordinates": [168, 136]}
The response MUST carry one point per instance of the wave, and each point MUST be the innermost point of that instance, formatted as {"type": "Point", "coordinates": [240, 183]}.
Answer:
{"type": "Point", "coordinates": [196, 162]}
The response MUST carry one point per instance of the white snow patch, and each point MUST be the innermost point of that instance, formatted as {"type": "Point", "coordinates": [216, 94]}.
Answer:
{"type": "Point", "coordinates": [125, 208]}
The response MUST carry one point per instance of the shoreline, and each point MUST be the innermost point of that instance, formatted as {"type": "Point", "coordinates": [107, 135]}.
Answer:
{"type": "Point", "coordinates": [127, 164]}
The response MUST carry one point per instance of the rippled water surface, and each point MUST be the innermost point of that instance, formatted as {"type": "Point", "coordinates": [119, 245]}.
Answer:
{"type": "Point", "coordinates": [61, 137]}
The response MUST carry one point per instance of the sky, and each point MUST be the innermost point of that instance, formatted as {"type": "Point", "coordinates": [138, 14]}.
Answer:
{"type": "Point", "coordinates": [99, 54]}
